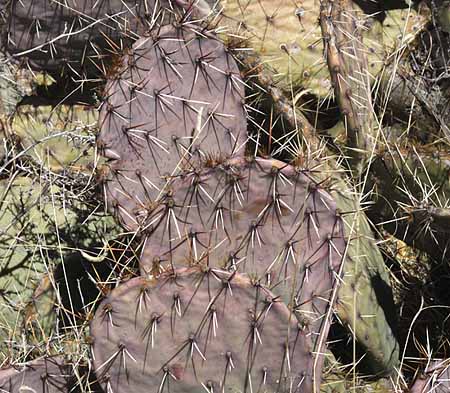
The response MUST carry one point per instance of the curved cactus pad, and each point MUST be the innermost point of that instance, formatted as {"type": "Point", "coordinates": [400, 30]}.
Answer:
{"type": "Point", "coordinates": [176, 100]}
{"type": "Point", "coordinates": [261, 217]}
{"type": "Point", "coordinates": [78, 34]}
{"type": "Point", "coordinates": [48, 375]}
{"type": "Point", "coordinates": [197, 329]}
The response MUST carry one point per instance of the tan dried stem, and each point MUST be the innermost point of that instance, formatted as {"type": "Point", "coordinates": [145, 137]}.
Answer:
{"type": "Point", "coordinates": [283, 106]}
{"type": "Point", "coordinates": [347, 62]}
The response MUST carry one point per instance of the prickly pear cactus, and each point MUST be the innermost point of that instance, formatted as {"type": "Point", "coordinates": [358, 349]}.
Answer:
{"type": "Point", "coordinates": [195, 329]}
{"type": "Point", "coordinates": [365, 302]}
{"type": "Point", "coordinates": [221, 232]}
{"type": "Point", "coordinates": [175, 103]}
{"type": "Point", "coordinates": [263, 218]}
{"type": "Point", "coordinates": [287, 36]}
{"type": "Point", "coordinates": [77, 36]}
{"type": "Point", "coordinates": [207, 205]}
{"type": "Point", "coordinates": [47, 375]}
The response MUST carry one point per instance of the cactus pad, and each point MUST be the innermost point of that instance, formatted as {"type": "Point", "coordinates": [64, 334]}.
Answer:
{"type": "Point", "coordinates": [195, 329]}
{"type": "Point", "coordinates": [287, 36]}
{"type": "Point", "coordinates": [259, 217]}
{"type": "Point", "coordinates": [74, 36]}
{"type": "Point", "coordinates": [176, 101]}
{"type": "Point", "coordinates": [365, 301]}
{"type": "Point", "coordinates": [48, 375]}
{"type": "Point", "coordinates": [64, 133]}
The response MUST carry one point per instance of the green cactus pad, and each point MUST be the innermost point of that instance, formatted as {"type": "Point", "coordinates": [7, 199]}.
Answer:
{"type": "Point", "coordinates": [287, 36]}
{"type": "Point", "coordinates": [24, 214]}
{"type": "Point", "coordinates": [195, 329]}
{"type": "Point", "coordinates": [57, 138]}
{"type": "Point", "coordinates": [31, 216]}
{"type": "Point", "coordinates": [365, 301]}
